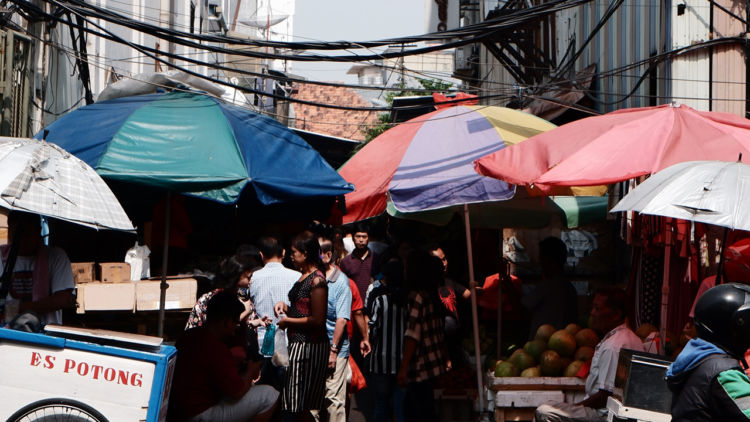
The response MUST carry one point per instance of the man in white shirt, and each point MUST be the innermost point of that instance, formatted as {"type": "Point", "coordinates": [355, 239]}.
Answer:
{"type": "Point", "coordinates": [608, 318]}
{"type": "Point", "coordinates": [42, 280]}
{"type": "Point", "coordinates": [268, 286]}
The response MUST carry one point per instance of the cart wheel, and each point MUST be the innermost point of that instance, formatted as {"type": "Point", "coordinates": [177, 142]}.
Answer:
{"type": "Point", "coordinates": [53, 410]}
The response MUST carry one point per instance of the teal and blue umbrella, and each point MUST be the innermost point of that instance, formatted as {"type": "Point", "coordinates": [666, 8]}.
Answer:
{"type": "Point", "coordinates": [192, 143]}
{"type": "Point", "coordinates": [197, 145]}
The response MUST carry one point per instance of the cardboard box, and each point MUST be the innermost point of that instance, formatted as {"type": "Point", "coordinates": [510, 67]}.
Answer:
{"type": "Point", "coordinates": [181, 294]}
{"type": "Point", "coordinates": [105, 297]}
{"type": "Point", "coordinates": [114, 272]}
{"type": "Point", "coordinates": [83, 272]}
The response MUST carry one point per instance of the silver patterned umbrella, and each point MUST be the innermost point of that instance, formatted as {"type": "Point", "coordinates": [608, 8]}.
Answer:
{"type": "Point", "coordinates": [42, 178]}
{"type": "Point", "coordinates": [711, 192]}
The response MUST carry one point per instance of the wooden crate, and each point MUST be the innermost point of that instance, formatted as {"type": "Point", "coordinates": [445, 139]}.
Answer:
{"type": "Point", "coordinates": [516, 398]}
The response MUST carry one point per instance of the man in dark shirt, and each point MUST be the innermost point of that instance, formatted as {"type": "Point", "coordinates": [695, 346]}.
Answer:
{"type": "Point", "coordinates": [208, 385]}
{"type": "Point", "coordinates": [554, 301]}
{"type": "Point", "coordinates": [362, 264]}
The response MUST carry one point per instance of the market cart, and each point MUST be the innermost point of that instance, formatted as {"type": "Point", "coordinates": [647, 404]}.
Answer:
{"type": "Point", "coordinates": [75, 374]}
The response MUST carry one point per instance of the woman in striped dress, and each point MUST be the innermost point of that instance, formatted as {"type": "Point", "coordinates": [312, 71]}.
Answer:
{"type": "Point", "coordinates": [304, 388]}
{"type": "Point", "coordinates": [386, 305]}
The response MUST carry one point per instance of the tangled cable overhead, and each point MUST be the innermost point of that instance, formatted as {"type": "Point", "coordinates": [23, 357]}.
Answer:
{"type": "Point", "coordinates": [291, 50]}
{"type": "Point", "coordinates": [450, 38]}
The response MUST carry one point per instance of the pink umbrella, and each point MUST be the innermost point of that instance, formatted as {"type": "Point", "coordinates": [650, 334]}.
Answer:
{"type": "Point", "coordinates": [619, 146]}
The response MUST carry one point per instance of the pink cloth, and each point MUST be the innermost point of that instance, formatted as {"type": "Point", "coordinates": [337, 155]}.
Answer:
{"type": "Point", "coordinates": [40, 277]}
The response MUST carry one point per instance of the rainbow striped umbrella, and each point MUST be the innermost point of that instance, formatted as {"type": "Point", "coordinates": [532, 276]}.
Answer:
{"type": "Point", "coordinates": [427, 162]}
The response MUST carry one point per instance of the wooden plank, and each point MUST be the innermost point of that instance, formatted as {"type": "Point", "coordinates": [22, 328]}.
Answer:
{"type": "Point", "coordinates": [514, 399]}
{"type": "Point", "coordinates": [537, 383]}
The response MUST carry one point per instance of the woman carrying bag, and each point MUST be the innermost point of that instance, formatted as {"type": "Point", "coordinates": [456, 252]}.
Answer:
{"type": "Point", "coordinates": [304, 389]}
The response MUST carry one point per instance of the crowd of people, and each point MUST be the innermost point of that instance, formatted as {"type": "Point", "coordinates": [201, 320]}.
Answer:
{"type": "Point", "coordinates": [351, 319]}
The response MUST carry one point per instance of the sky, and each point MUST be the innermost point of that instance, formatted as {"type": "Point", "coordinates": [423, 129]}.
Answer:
{"type": "Point", "coordinates": [352, 20]}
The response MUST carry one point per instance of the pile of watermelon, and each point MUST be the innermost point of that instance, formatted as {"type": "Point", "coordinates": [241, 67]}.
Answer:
{"type": "Point", "coordinates": [551, 354]}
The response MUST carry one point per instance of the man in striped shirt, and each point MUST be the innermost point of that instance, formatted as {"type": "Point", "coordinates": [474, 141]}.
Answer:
{"type": "Point", "coordinates": [268, 286]}
{"type": "Point", "coordinates": [386, 307]}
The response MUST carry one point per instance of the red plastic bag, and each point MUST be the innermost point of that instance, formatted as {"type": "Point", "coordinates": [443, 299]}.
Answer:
{"type": "Point", "coordinates": [357, 382]}
{"type": "Point", "coordinates": [584, 371]}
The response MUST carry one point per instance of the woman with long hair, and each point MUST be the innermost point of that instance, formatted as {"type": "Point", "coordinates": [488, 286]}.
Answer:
{"type": "Point", "coordinates": [304, 319]}
{"type": "Point", "coordinates": [234, 274]}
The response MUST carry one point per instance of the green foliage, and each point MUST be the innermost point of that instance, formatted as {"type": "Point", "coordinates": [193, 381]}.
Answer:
{"type": "Point", "coordinates": [384, 119]}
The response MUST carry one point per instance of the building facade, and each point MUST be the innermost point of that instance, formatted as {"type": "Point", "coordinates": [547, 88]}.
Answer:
{"type": "Point", "coordinates": [645, 53]}
{"type": "Point", "coordinates": [62, 66]}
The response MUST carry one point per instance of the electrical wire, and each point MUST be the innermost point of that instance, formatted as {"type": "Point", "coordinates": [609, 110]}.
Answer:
{"type": "Point", "coordinates": [112, 37]}
{"type": "Point", "coordinates": [146, 50]}
{"type": "Point", "coordinates": [465, 35]}
{"type": "Point", "coordinates": [71, 52]}
{"type": "Point", "coordinates": [609, 73]}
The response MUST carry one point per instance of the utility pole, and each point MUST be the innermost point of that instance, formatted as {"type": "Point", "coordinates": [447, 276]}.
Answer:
{"type": "Point", "coordinates": [166, 20]}
{"type": "Point", "coordinates": [403, 68]}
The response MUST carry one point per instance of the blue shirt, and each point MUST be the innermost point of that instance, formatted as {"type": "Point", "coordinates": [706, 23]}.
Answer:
{"type": "Point", "coordinates": [339, 306]}
{"type": "Point", "coordinates": [270, 285]}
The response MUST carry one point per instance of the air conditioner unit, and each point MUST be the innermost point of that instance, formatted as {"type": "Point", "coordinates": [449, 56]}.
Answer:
{"type": "Point", "coordinates": [463, 57]}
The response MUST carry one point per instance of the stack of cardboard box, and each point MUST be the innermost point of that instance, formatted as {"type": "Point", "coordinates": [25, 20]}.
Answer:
{"type": "Point", "coordinates": [113, 290]}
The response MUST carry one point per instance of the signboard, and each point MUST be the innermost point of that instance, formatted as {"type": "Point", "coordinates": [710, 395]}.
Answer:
{"type": "Point", "coordinates": [118, 387]}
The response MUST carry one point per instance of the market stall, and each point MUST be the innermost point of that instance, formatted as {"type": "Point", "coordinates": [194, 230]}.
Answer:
{"type": "Point", "coordinates": [192, 143]}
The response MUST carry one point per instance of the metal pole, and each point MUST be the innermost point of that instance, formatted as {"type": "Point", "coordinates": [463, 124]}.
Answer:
{"type": "Point", "coordinates": [720, 279]}
{"type": "Point", "coordinates": [163, 286]}
{"type": "Point", "coordinates": [665, 289]}
{"type": "Point", "coordinates": [503, 274]}
{"type": "Point", "coordinates": [474, 315]}
{"type": "Point", "coordinates": [167, 11]}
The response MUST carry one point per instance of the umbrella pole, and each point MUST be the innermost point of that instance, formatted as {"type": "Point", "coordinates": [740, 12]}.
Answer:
{"type": "Point", "coordinates": [164, 259]}
{"type": "Point", "coordinates": [499, 347]}
{"type": "Point", "coordinates": [474, 315]}
{"type": "Point", "coordinates": [720, 268]}
{"type": "Point", "coordinates": [665, 289]}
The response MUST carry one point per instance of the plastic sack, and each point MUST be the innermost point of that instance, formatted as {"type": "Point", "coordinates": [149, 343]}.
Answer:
{"type": "Point", "coordinates": [357, 382]}
{"type": "Point", "coordinates": [280, 351]}
{"type": "Point", "coordinates": [268, 341]}
{"type": "Point", "coordinates": [140, 263]}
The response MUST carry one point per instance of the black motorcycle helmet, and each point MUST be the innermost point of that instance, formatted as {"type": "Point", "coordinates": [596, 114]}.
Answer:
{"type": "Point", "coordinates": [722, 317]}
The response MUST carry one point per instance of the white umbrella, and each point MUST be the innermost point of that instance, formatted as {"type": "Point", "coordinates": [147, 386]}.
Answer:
{"type": "Point", "coordinates": [42, 178]}
{"type": "Point", "coordinates": [712, 192]}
